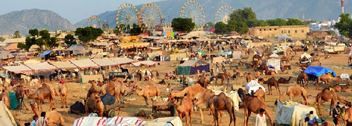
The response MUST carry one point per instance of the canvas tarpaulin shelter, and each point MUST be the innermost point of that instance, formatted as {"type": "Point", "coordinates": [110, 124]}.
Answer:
{"type": "Point", "coordinates": [77, 49]}
{"type": "Point", "coordinates": [5, 55]}
{"type": "Point", "coordinates": [219, 59]}
{"type": "Point", "coordinates": [237, 55]}
{"type": "Point", "coordinates": [63, 65]}
{"type": "Point", "coordinates": [115, 121]}
{"type": "Point", "coordinates": [167, 121]}
{"type": "Point", "coordinates": [104, 62]}
{"type": "Point", "coordinates": [147, 63]}
{"type": "Point", "coordinates": [253, 85]}
{"type": "Point", "coordinates": [274, 63]}
{"type": "Point", "coordinates": [120, 61]}
{"type": "Point", "coordinates": [173, 57]}
{"type": "Point", "coordinates": [17, 69]}
{"type": "Point", "coordinates": [6, 118]}
{"type": "Point", "coordinates": [305, 55]}
{"type": "Point", "coordinates": [292, 114]}
{"type": "Point", "coordinates": [274, 56]}
{"type": "Point", "coordinates": [318, 71]}
{"type": "Point", "coordinates": [11, 47]}
{"type": "Point", "coordinates": [202, 52]}
{"type": "Point", "coordinates": [86, 63]}
{"type": "Point", "coordinates": [41, 67]}
{"type": "Point", "coordinates": [46, 53]}
{"type": "Point", "coordinates": [191, 66]}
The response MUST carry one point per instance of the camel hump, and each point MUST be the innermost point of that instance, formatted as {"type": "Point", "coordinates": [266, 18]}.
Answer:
{"type": "Point", "coordinates": [222, 94]}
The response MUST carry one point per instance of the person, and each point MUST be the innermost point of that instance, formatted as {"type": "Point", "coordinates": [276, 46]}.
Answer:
{"type": "Point", "coordinates": [27, 124]}
{"type": "Point", "coordinates": [168, 88]}
{"type": "Point", "coordinates": [260, 119]}
{"type": "Point", "coordinates": [42, 121]}
{"type": "Point", "coordinates": [217, 67]}
{"type": "Point", "coordinates": [335, 114]}
{"type": "Point", "coordinates": [35, 118]}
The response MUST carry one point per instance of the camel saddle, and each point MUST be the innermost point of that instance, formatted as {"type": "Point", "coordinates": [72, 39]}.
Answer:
{"type": "Point", "coordinates": [107, 99]}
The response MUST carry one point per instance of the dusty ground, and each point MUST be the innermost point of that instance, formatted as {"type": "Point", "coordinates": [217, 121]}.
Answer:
{"type": "Point", "coordinates": [78, 91]}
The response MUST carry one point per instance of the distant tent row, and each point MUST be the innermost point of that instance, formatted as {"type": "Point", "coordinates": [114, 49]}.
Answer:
{"type": "Point", "coordinates": [190, 67]}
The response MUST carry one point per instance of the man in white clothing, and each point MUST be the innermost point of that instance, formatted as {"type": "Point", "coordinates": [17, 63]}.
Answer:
{"type": "Point", "coordinates": [260, 119]}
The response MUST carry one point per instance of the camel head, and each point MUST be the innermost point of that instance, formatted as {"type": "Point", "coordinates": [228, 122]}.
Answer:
{"type": "Point", "coordinates": [195, 101]}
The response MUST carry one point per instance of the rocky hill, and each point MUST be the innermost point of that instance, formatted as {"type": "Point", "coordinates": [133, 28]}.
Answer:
{"type": "Point", "coordinates": [32, 18]}
{"type": "Point", "coordinates": [265, 9]}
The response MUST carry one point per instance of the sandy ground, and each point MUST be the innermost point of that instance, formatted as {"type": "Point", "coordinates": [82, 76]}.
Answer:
{"type": "Point", "coordinates": [78, 91]}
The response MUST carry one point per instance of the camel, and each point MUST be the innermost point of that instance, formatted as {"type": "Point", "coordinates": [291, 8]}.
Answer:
{"type": "Point", "coordinates": [200, 100]}
{"type": "Point", "coordinates": [203, 81]}
{"type": "Point", "coordinates": [185, 109]}
{"type": "Point", "coordinates": [294, 91]}
{"type": "Point", "coordinates": [4, 97]}
{"type": "Point", "coordinates": [283, 80]}
{"type": "Point", "coordinates": [262, 68]}
{"type": "Point", "coordinates": [339, 88]}
{"type": "Point", "coordinates": [272, 82]}
{"type": "Point", "coordinates": [94, 104]}
{"type": "Point", "coordinates": [190, 90]}
{"type": "Point", "coordinates": [256, 56]}
{"type": "Point", "coordinates": [311, 100]}
{"type": "Point", "coordinates": [260, 94]}
{"type": "Point", "coordinates": [223, 77]}
{"type": "Point", "coordinates": [325, 78]}
{"type": "Point", "coordinates": [254, 105]}
{"type": "Point", "coordinates": [287, 59]}
{"type": "Point", "coordinates": [327, 95]}
{"type": "Point", "coordinates": [249, 77]}
{"type": "Point", "coordinates": [94, 88]}
{"type": "Point", "coordinates": [348, 117]}
{"type": "Point", "coordinates": [53, 117]}
{"type": "Point", "coordinates": [221, 102]}
{"type": "Point", "coordinates": [115, 88]}
{"type": "Point", "coordinates": [302, 79]}
{"type": "Point", "coordinates": [255, 63]}
{"type": "Point", "coordinates": [43, 92]}
{"type": "Point", "coordinates": [150, 91]}
{"type": "Point", "coordinates": [63, 94]}
{"type": "Point", "coordinates": [20, 95]}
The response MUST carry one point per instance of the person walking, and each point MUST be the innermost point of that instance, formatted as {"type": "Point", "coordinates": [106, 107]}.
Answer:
{"type": "Point", "coordinates": [336, 114]}
{"type": "Point", "coordinates": [42, 121]}
{"type": "Point", "coordinates": [35, 118]}
{"type": "Point", "coordinates": [260, 119]}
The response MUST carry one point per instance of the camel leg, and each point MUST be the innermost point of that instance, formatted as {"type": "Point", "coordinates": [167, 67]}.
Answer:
{"type": "Point", "coordinates": [62, 101]}
{"type": "Point", "coordinates": [66, 101]}
{"type": "Point", "coordinates": [267, 113]}
{"type": "Point", "coordinates": [278, 88]}
{"type": "Point", "coordinates": [317, 85]}
{"type": "Point", "coordinates": [146, 100]}
{"type": "Point", "coordinates": [319, 103]}
{"type": "Point", "coordinates": [328, 83]}
{"type": "Point", "coordinates": [332, 105]}
{"type": "Point", "coordinates": [187, 117]}
{"type": "Point", "coordinates": [220, 114]}
{"type": "Point", "coordinates": [50, 104]}
{"type": "Point", "coordinates": [216, 118]}
{"type": "Point", "coordinates": [201, 115]}
{"type": "Point", "coordinates": [246, 116]}
{"type": "Point", "coordinates": [190, 118]}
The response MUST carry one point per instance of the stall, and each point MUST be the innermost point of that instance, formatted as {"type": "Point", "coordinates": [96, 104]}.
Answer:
{"type": "Point", "coordinates": [190, 67]}
{"type": "Point", "coordinates": [122, 61]}
{"type": "Point", "coordinates": [17, 69]}
{"type": "Point", "coordinates": [253, 85]}
{"type": "Point", "coordinates": [292, 113]}
{"type": "Point", "coordinates": [41, 67]}
{"type": "Point", "coordinates": [77, 49]}
{"type": "Point", "coordinates": [104, 62]}
{"type": "Point", "coordinates": [83, 64]}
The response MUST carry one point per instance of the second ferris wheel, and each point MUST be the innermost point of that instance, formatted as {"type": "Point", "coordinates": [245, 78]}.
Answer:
{"type": "Point", "coordinates": [192, 9]}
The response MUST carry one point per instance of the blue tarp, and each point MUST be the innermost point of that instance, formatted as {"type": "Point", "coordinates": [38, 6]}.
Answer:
{"type": "Point", "coordinates": [318, 70]}
{"type": "Point", "coordinates": [46, 53]}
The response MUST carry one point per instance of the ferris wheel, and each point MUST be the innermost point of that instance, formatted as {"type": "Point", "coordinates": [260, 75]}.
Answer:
{"type": "Point", "coordinates": [150, 15]}
{"type": "Point", "coordinates": [127, 15]}
{"type": "Point", "coordinates": [192, 9]}
{"type": "Point", "coordinates": [94, 17]}
{"type": "Point", "coordinates": [223, 14]}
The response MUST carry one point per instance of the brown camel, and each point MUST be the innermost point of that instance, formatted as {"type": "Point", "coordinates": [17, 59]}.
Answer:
{"type": "Point", "coordinates": [223, 77]}
{"type": "Point", "coordinates": [20, 95]}
{"type": "Point", "coordinates": [190, 90]}
{"type": "Point", "coordinates": [185, 109]}
{"type": "Point", "coordinates": [53, 117]}
{"type": "Point", "coordinates": [147, 92]}
{"type": "Point", "coordinates": [221, 102]}
{"type": "Point", "coordinates": [63, 94]}
{"type": "Point", "coordinates": [254, 105]}
{"type": "Point", "coordinates": [43, 92]}
{"type": "Point", "coordinates": [203, 81]}
{"type": "Point", "coordinates": [257, 57]}
{"type": "Point", "coordinates": [262, 68]}
{"type": "Point", "coordinates": [294, 91]}
{"type": "Point", "coordinates": [287, 59]}
{"type": "Point", "coordinates": [272, 82]}
{"type": "Point", "coordinates": [94, 104]}
{"type": "Point", "coordinates": [4, 97]}
{"type": "Point", "coordinates": [339, 88]}
{"type": "Point", "coordinates": [249, 77]}
{"type": "Point", "coordinates": [348, 117]}
{"type": "Point", "coordinates": [302, 79]}
{"type": "Point", "coordinates": [115, 88]}
{"type": "Point", "coordinates": [327, 95]}
{"type": "Point", "coordinates": [93, 89]}
{"type": "Point", "coordinates": [325, 78]}
{"type": "Point", "coordinates": [255, 64]}
{"type": "Point", "coordinates": [311, 100]}
{"type": "Point", "coordinates": [284, 80]}
{"type": "Point", "coordinates": [260, 94]}
{"type": "Point", "coordinates": [200, 100]}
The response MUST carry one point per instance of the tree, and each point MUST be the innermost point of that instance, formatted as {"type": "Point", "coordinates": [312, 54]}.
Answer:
{"type": "Point", "coordinates": [2, 39]}
{"type": "Point", "coordinates": [29, 42]}
{"type": "Point", "coordinates": [276, 22]}
{"type": "Point", "coordinates": [45, 35]}
{"type": "Point", "coordinates": [220, 27]}
{"type": "Point", "coordinates": [345, 25]}
{"type": "Point", "coordinates": [16, 34]}
{"type": "Point", "coordinates": [70, 40]}
{"type": "Point", "coordinates": [210, 24]}
{"type": "Point", "coordinates": [231, 26]}
{"type": "Point", "coordinates": [117, 30]}
{"type": "Point", "coordinates": [246, 15]}
{"type": "Point", "coordinates": [261, 23]}
{"type": "Point", "coordinates": [331, 32]}
{"type": "Point", "coordinates": [242, 27]}
{"type": "Point", "coordinates": [52, 42]}
{"type": "Point", "coordinates": [22, 46]}
{"type": "Point", "coordinates": [292, 21]}
{"type": "Point", "coordinates": [40, 42]}
{"type": "Point", "coordinates": [183, 24]}
{"type": "Point", "coordinates": [88, 33]}
{"type": "Point", "coordinates": [136, 30]}
{"type": "Point", "coordinates": [33, 32]}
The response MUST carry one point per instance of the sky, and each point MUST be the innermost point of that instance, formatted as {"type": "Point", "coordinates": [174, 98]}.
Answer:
{"type": "Point", "coordinates": [72, 10]}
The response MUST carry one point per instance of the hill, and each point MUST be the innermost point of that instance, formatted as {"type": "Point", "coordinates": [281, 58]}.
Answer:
{"type": "Point", "coordinates": [32, 18]}
{"type": "Point", "coordinates": [268, 9]}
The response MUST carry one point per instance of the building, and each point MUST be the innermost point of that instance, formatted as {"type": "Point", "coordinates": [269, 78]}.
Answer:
{"type": "Point", "coordinates": [295, 31]}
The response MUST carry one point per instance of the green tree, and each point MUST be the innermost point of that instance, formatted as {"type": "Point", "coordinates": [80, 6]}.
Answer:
{"type": "Point", "coordinates": [242, 27]}
{"type": "Point", "coordinates": [246, 15]}
{"type": "Point", "coordinates": [292, 21]}
{"type": "Point", "coordinates": [16, 34]}
{"type": "Point", "coordinates": [220, 27]}
{"type": "Point", "coordinates": [28, 43]}
{"type": "Point", "coordinates": [345, 25]}
{"type": "Point", "coordinates": [136, 30]}
{"type": "Point", "coordinates": [70, 40]}
{"type": "Point", "coordinates": [183, 24]}
{"type": "Point", "coordinates": [88, 33]}
{"type": "Point", "coordinates": [276, 22]}
{"type": "Point", "coordinates": [261, 23]}
{"type": "Point", "coordinates": [231, 26]}
{"type": "Point", "coordinates": [210, 24]}
{"type": "Point", "coordinates": [2, 39]}
{"type": "Point", "coordinates": [33, 32]}
{"type": "Point", "coordinates": [117, 30]}
{"type": "Point", "coordinates": [52, 42]}
{"type": "Point", "coordinates": [22, 46]}
{"type": "Point", "coordinates": [331, 32]}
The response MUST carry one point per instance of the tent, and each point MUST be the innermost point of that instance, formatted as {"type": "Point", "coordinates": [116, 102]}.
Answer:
{"type": "Point", "coordinates": [77, 49]}
{"type": "Point", "coordinates": [41, 67]}
{"type": "Point", "coordinates": [274, 63]}
{"type": "Point", "coordinates": [202, 52]}
{"type": "Point", "coordinates": [104, 62]}
{"type": "Point", "coordinates": [33, 48]}
{"type": "Point", "coordinates": [274, 56]}
{"type": "Point", "coordinates": [190, 67]}
{"type": "Point", "coordinates": [178, 56]}
{"type": "Point", "coordinates": [305, 55]}
{"type": "Point", "coordinates": [63, 65]}
{"type": "Point", "coordinates": [219, 59]}
{"type": "Point", "coordinates": [6, 118]}
{"type": "Point", "coordinates": [253, 85]}
{"type": "Point", "coordinates": [167, 121]}
{"type": "Point", "coordinates": [114, 121]}
{"type": "Point", "coordinates": [318, 70]}
{"type": "Point", "coordinates": [282, 37]}
{"type": "Point", "coordinates": [147, 63]}
{"type": "Point", "coordinates": [17, 69]}
{"type": "Point", "coordinates": [5, 55]}
{"type": "Point", "coordinates": [86, 63]}
{"type": "Point", "coordinates": [237, 55]}
{"type": "Point", "coordinates": [292, 114]}
{"type": "Point", "coordinates": [11, 47]}
{"type": "Point", "coordinates": [120, 61]}
{"type": "Point", "coordinates": [46, 53]}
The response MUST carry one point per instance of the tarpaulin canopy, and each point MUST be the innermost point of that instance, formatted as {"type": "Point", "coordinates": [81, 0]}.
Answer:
{"type": "Point", "coordinates": [253, 85]}
{"type": "Point", "coordinates": [104, 62]}
{"type": "Point", "coordinates": [46, 53]}
{"type": "Point", "coordinates": [318, 71]}
{"type": "Point", "coordinates": [192, 62]}
{"type": "Point", "coordinates": [292, 114]}
{"type": "Point", "coordinates": [11, 47]}
{"type": "Point", "coordinates": [5, 55]}
{"type": "Point", "coordinates": [63, 65]}
{"type": "Point", "coordinates": [6, 118]}
{"type": "Point", "coordinates": [148, 63]}
{"type": "Point", "coordinates": [219, 59]}
{"type": "Point", "coordinates": [119, 61]}
{"type": "Point", "coordinates": [275, 63]}
{"type": "Point", "coordinates": [188, 67]}
{"type": "Point", "coordinates": [274, 56]}
{"type": "Point", "coordinates": [77, 49]}
{"type": "Point", "coordinates": [126, 45]}
{"type": "Point", "coordinates": [86, 63]}
{"type": "Point", "coordinates": [237, 55]}
{"type": "Point", "coordinates": [41, 66]}
{"type": "Point", "coordinates": [18, 69]}
{"type": "Point", "coordinates": [305, 55]}
{"type": "Point", "coordinates": [115, 121]}
{"type": "Point", "coordinates": [202, 52]}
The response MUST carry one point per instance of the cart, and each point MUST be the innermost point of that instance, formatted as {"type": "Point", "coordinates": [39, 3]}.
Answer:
{"type": "Point", "coordinates": [286, 66]}
{"type": "Point", "coordinates": [162, 106]}
{"type": "Point", "coordinates": [113, 109]}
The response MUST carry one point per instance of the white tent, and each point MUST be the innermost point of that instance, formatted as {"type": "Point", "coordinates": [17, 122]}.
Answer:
{"type": "Point", "coordinates": [6, 118]}
{"type": "Point", "coordinates": [237, 55]}
{"type": "Point", "coordinates": [253, 85]}
{"type": "Point", "coordinates": [274, 55]}
{"type": "Point", "coordinates": [104, 62]}
{"type": "Point", "coordinates": [17, 69]}
{"type": "Point", "coordinates": [122, 60]}
{"type": "Point", "coordinates": [305, 55]}
{"type": "Point", "coordinates": [275, 63]}
{"type": "Point", "coordinates": [292, 114]}
{"type": "Point", "coordinates": [148, 63]}
{"type": "Point", "coordinates": [41, 66]}
{"type": "Point", "coordinates": [86, 63]}
{"type": "Point", "coordinates": [167, 121]}
{"type": "Point", "coordinates": [63, 65]}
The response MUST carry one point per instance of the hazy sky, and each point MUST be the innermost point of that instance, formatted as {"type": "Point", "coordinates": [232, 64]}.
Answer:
{"type": "Point", "coordinates": [73, 10]}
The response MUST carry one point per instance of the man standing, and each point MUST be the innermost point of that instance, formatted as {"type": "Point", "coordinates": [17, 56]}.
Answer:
{"type": "Point", "coordinates": [336, 113]}
{"type": "Point", "coordinates": [260, 119]}
{"type": "Point", "coordinates": [217, 67]}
